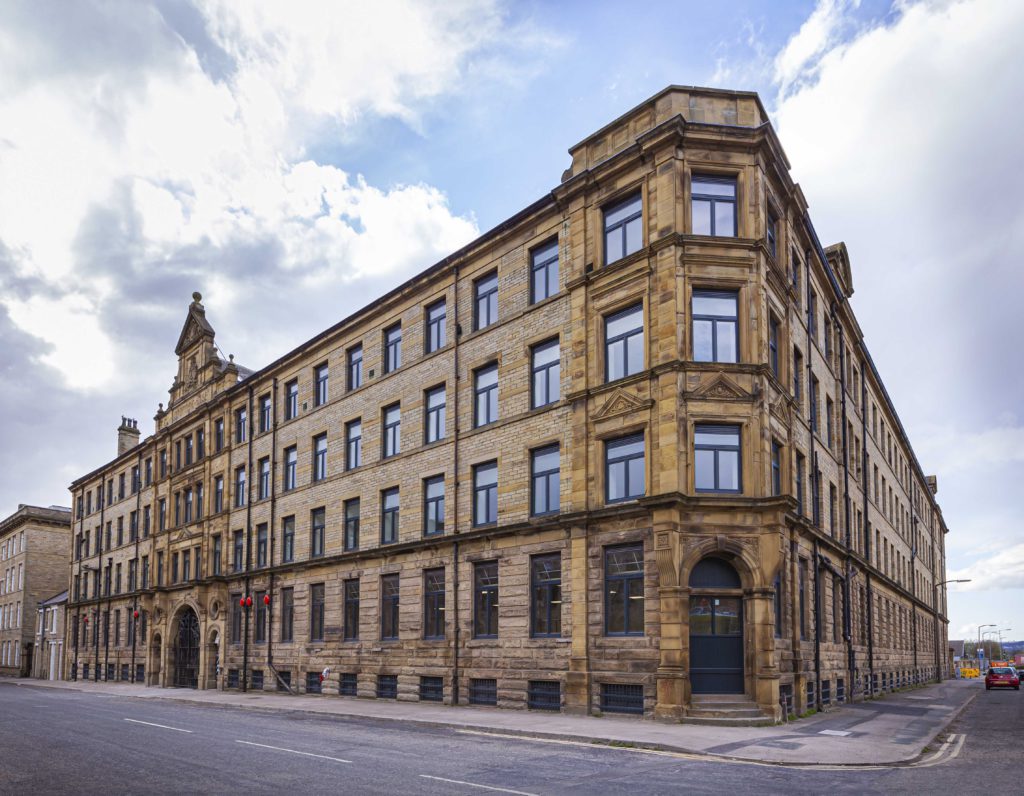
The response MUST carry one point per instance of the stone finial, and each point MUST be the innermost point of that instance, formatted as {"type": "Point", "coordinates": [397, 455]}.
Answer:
{"type": "Point", "coordinates": [197, 297]}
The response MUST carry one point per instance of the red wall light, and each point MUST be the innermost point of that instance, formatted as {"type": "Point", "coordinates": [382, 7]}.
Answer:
{"type": "Point", "coordinates": [266, 599]}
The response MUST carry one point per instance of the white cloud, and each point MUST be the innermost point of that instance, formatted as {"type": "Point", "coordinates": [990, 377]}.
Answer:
{"type": "Point", "coordinates": [904, 138]}
{"type": "Point", "coordinates": [186, 153]}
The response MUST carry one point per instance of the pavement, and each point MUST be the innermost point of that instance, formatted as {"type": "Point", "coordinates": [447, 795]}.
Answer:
{"type": "Point", "coordinates": [891, 730]}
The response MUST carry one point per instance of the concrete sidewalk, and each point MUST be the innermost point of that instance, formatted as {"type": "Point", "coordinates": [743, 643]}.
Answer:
{"type": "Point", "coordinates": [894, 729]}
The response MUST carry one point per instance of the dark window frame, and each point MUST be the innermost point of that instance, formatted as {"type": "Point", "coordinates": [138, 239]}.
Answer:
{"type": "Point", "coordinates": [393, 348]}
{"type": "Point", "coordinates": [625, 581]}
{"type": "Point", "coordinates": [545, 597]}
{"type": "Point", "coordinates": [623, 339]}
{"type": "Point", "coordinates": [718, 322]}
{"type": "Point", "coordinates": [485, 599]}
{"type": "Point", "coordinates": [321, 384]}
{"type": "Point", "coordinates": [487, 491]}
{"type": "Point", "coordinates": [610, 445]}
{"type": "Point", "coordinates": [546, 377]}
{"type": "Point", "coordinates": [433, 506]}
{"type": "Point", "coordinates": [719, 429]}
{"type": "Point", "coordinates": [434, 604]}
{"type": "Point", "coordinates": [544, 267]}
{"type": "Point", "coordinates": [545, 477]}
{"type": "Point", "coordinates": [391, 431]}
{"type": "Point", "coordinates": [488, 393]}
{"type": "Point", "coordinates": [485, 297]}
{"type": "Point", "coordinates": [436, 337]}
{"type": "Point", "coordinates": [621, 227]}
{"type": "Point", "coordinates": [389, 515]}
{"type": "Point", "coordinates": [434, 425]}
{"type": "Point", "coordinates": [713, 199]}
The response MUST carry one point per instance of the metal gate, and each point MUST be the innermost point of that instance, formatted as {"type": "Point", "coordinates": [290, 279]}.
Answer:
{"type": "Point", "coordinates": [186, 651]}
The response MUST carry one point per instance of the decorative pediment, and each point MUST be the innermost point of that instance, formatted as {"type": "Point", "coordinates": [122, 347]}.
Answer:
{"type": "Point", "coordinates": [780, 410]}
{"type": "Point", "coordinates": [620, 403]}
{"type": "Point", "coordinates": [721, 387]}
{"type": "Point", "coordinates": [196, 326]}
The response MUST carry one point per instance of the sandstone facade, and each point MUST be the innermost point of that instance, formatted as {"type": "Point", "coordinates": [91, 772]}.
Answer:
{"type": "Point", "coordinates": [825, 546]}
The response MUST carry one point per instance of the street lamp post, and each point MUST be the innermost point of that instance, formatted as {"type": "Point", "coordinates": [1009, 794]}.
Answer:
{"type": "Point", "coordinates": [989, 624]}
{"type": "Point", "coordinates": [935, 614]}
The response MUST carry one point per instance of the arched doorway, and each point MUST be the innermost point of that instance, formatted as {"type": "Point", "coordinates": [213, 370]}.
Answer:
{"type": "Point", "coordinates": [186, 650]}
{"type": "Point", "coordinates": [716, 628]}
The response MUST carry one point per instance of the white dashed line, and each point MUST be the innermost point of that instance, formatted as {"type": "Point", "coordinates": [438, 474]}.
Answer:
{"type": "Point", "coordinates": [293, 751]}
{"type": "Point", "coordinates": [161, 726]}
{"type": "Point", "coordinates": [475, 785]}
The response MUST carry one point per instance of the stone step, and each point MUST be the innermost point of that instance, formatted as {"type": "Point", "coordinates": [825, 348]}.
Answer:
{"type": "Point", "coordinates": [723, 705]}
{"type": "Point", "coordinates": [728, 721]}
{"type": "Point", "coordinates": [740, 713]}
{"type": "Point", "coordinates": [720, 698]}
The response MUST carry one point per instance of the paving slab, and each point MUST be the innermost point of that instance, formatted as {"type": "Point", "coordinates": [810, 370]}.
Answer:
{"type": "Point", "coordinates": [893, 729]}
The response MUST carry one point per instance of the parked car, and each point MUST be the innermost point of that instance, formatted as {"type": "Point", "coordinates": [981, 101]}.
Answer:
{"type": "Point", "coordinates": [1002, 677]}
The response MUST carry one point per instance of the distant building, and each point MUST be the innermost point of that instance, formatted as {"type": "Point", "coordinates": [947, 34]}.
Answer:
{"type": "Point", "coordinates": [48, 663]}
{"type": "Point", "coordinates": [626, 452]}
{"type": "Point", "coordinates": [34, 547]}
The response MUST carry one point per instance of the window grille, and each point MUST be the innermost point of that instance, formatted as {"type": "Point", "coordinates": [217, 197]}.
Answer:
{"type": "Point", "coordinates": [483, 692]}
{"type": "Point", "coordinates": [622, 698]}
{"type": "Point", "coordinates": [544, 695]}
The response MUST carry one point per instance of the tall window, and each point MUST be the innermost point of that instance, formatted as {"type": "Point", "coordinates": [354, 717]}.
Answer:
{"type": "Point", "coordinates": [776, 468]}
{"type": "Point", "coordinates": [316, 612]}
{"type": "Point", "coordinates": [433, 603]}
{"type": "Point", "coordinates": [263, 490]}
{"type": "Point", "coordinates": [772, 233]}
{"type": "Point", "coordinates": [261, 544]}
{"type": "Point", "coordinates": [800, 483]}
{"type": "Point", "coordinates": [392, 348]}
{"type": "Point", "coordinates": [260, 631]}
{"type": "Point", "coordinates": [392, 430]}
{"type": "Point", "coordinates": [798, 371]}
{"type": "Point", "coordinates": [544, 271]}
{"type": "Point", "coordinates": [240, 487]}
{"type": "Point", "coordinates": [319, 457]}
{"type": "Point", "coordinates": [352, 524]}
{"type": "Point", "coordinates": [714, 326]}
{"type": "Point", "coordinates": [240, 424]}
{"type": "Point", "coordinates": [218, 435]}
{"type": "Point", "coordinates": [773, 346]}
{"type": "Point", "coordinates": [433, 506]}
{"type": "Point", "coordinates": [830, 411]}
{"type": "Point", "coordinates": [624, 468]}
{"type": "Point", "coordinates": [623, 228]}
{"type": "Point", "coordinates": [435, 337]}
{"type": "Point", "coordinates": [546, 595]}
{"type": "Point", "coordinates": [389, 516]}
{"type": "Point", "coordinates": [716, 458]}
{"type": "Point", "coordinates": [485, 303]}
{"type": "Point", "coordinates": [317, 531]}
{"type": "Point", "coordinates": [287, 614]}
{"type": "Point", "coordinates": [485, 599]}
{"type": "Point", "coordinates": [351, 590]}
{"type": "Point", "coordinates": [200, 443]}
{"type": "Point", "coordinates": [485, 493]}
{"type": "Point", "coordinates": [624, 590]}
{"type": "Point", "coordinates": [288, 539]}
{"type": "Point", "coordinates": [320, 376]}
{"type": "Point", "coordinates": [355, 367]}
{"type": "Point", "coordinates": [624, 343]}
{"type": "Point", "coordinates": [215, 555]}
{"type": "Point", "coordinates": [813, 396]}
{"type": "Point", "coordinates": [218, 493]}
{"type": "Point", "coordinates": [812, 314]}
{"type": "Point", "coordinates": [544, 484]}
{"type": "Point", "coordinates": [161, 520]}
{"type": "Point", "coordinates": [238, 557]}
{"type": "Point", "coordinates": [265, 416]}
{"type": "Point", "coordinates": [434, 428]}
{"type": "Point", "coordinates": [199, 500]}
{"type": "Point", "coordinates": [714, 206]}
{"type": "Point", "coordinates": [486, 391]}
{"type": "Point", "coordinates": [353, 444]}
{"type": "Point", "coordinates": [547, 373]}
{"type": "Point", "coordinates": [291, 399]}
{"type": "Point", "coordinates": [291, 461]}
{"type": "Point", "coordinates": [188, 460]}
{"type": "Point", "coordinates": [389, 594]}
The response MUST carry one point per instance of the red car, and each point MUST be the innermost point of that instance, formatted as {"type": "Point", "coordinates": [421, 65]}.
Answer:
{"type": "Point", "coordinates": [1002, 677]}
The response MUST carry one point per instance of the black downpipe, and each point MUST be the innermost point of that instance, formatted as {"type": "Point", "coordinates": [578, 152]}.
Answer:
{"type": "Point", "coordinates": [248, 540]}
{"type": "Point", "coordinates": [851, 655]}
{"type": "Point", "coordinates": [456, 635]}
{"type": "Point", "coordinates": [815, 481]}
{"type": "Point", "coordinates": [271, 530]}
{"type": "Point", "coordinates": [99, 577]}
{"type": "Point", "coordinates": [867, 533]}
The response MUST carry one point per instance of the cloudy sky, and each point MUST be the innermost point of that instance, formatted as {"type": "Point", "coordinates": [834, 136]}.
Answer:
{"type": "Point", "coordinates": [292, 164]}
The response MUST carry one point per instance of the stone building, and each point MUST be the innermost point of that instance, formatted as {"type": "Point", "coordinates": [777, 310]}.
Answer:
{"type": "Point", "coordinates": [625, 452]}
{"type": "Point", "coordinates": [48, 663]}
{"type": "Point", "coordinates": [33, 566]}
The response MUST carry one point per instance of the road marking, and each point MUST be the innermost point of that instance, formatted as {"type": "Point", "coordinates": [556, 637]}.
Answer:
{"type": "Point", "coordinates": [161, 726]}
{"type": "Point", "coordinates": [475, 785]}
{"type": "Point", "coordinates": [837, 733]}
{"type": "Point", "coordinates": [293, 751]}
{"type": "Point", "coordinates": [711, 757]}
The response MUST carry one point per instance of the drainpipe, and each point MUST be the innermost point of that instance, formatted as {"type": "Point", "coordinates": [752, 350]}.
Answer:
{"type": "Point", "coordinates": [270, 530]}
{"type": "Point", "coordinates": [135, 584]}
{"type": "Point", "coordinates": [913, 573]}
{"type": "Point", "coordinates": [456, 636]}
{"type": "Point", "coordinates": [99, 578]}
{"type": "Point", "coordinates": [815, 484]}
{"type": "Point", "coordinates": [248, 540]}
{"type": "Point", "coordinates": [851, 656]}
{"type": "Point", "coordinates": [867, 530]}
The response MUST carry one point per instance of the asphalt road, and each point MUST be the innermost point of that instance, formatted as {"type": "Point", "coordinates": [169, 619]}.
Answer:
{"type": "Point", "coordinates": [54, 741]}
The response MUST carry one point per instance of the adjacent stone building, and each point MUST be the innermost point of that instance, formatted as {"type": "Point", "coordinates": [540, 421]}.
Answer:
{"type": "Point", "coordinates": [33, 566]}
{"type": "Point", "coordinates": [48, 661]}
{"type": "Point", "coordinates": [626, 452]}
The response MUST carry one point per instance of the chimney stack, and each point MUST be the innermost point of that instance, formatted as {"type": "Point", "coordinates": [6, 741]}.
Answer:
{"type": "Point", "coordinates": [127, 435]}
{"type": "Point", "coordinates": [932, 482]}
